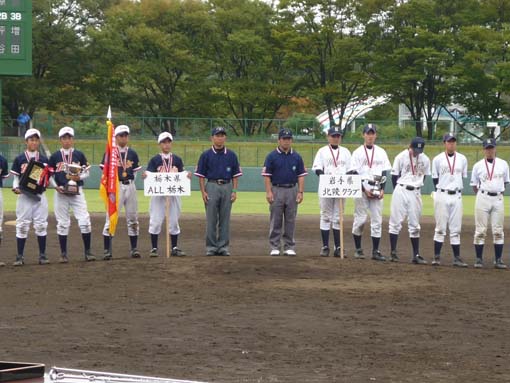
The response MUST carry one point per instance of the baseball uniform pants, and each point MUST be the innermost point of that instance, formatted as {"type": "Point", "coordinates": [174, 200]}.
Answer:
{"type": "Point", "coordinates": [63, 204]}
{"type": "Point", "coordinates": [27, 211]}
{"type": "Point", "coordinates": [405, 204]}
{"type": "Point", "coordinates": [127, 199]}
{"type": "Point", "coordinates": [448, 214]}
{"type": "Point", "coordinates": [493, 209]}
{"type": "Point", "coordinates": [362, 207]}
{"type": "Point", "coordinates": [157, 214]}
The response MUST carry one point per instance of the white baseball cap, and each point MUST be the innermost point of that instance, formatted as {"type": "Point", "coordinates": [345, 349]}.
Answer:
{"type": "Point", "coordinates": [121, 129]}
{"type": "Point", "coordinates": [163, 136]}
{"type": "Point", "coordinates": [66, 130]}
{"type": "Point", "coordinates": [32, 132]}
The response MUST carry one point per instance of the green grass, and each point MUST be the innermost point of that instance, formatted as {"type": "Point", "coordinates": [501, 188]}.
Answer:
{"type": "Point", "coordinates": [247, 203]}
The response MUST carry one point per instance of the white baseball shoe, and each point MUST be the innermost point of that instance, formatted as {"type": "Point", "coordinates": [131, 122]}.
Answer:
{"type": "Point", "coordinates": [289, 253]}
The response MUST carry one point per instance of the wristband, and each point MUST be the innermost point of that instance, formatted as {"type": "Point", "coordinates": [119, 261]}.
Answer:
{"type": "Point", "coordinates": [234, 190]}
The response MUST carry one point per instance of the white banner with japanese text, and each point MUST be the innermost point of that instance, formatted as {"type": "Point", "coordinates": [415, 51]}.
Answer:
{"type": "Point", "coordinates": [340, 186]}
{"type": "Point", "coordinates": [167, 184]}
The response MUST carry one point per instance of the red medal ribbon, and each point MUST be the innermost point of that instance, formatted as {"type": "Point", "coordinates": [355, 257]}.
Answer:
{"type": "Point", "coordinates": [490, 174]}
{"type": "Point", "coordinates": [27, 156]}
{"type": "Point", "coordinates": [335, 160]}
{"type": "Point", "coordinates": [452, 168]}
{"type": "Point", "coordinates": [167, 164]}
{"type": "Point", "coordinates": [413, 168]}
{"type": "Point", "coordinates": [67, 158]}
{"type": "Point", "coordinates": [369, 161]}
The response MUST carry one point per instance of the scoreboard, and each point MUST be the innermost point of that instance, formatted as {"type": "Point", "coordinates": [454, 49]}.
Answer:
{"type": "Point", "coordinates": [16, 37]}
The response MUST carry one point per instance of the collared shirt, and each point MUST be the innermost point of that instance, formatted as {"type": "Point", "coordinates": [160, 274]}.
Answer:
{"type": "Point", "coordinates": [450, 170]}
{"type": "Point", "coordinates": [218, 165]}
{"type": "Point", "coordinates": [490, 177]}
{"type": "Point", "coordinates": [20, 162]}
{"type": "Point", "coordinates": [411, 170]}
{"type": "Point", "coordinates": [4, 170]}
{"type": "Point", "coordinates": [284, 168]}
{"type": "Point", "coordinates": [57, 162]}
{"type": "Point", "coordinates": [128, 163]}
{"type": "Point", "coordinates": [156, 164]}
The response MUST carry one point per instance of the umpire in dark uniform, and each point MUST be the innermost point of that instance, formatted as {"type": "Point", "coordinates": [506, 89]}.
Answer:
{"type": "Point", "coordinates": [283, 173]}
{"type": "Point", "coordinates": [220, 167]}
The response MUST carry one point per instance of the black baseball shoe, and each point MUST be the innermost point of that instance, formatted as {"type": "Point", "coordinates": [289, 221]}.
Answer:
{"type": "Point", "coordinates": [358, 254]}
{"type": "Point", "coordinates": [377, 256]}
{"type": "Point", "coordinates": [338, 252]}
{"type": "Point", "coordinates": [500, 265]}
{"type": "Point", "coordinates": [419, 260]}
{"type": "Point", "coordinates": [135, 253]}
{"type": "Point", "coordinates": [458, 262]}
{"type": "Point", "coordinates": [89, 257]}
{"type": "Point", "coordinates": [478, 263]}
{"type": "Point", "coordinates": [394, 257]}
{"type": "Point", "coordinates": [176, 252]}
{"type": "Point", "coordinates": [324, 251]}
{"type": "Point", "coordinates": [436, 261]}
{"type": "Point", "coordinates": [107, 255]}
{"type": "Point", "coordinates": [43, 260]}
{"type": "Point", "coordinates": [64, 258]}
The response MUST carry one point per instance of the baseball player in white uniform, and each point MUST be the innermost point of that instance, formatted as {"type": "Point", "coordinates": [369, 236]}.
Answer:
{"type": "Point", "coordinates": [331, 159]}
{"type": "Point", "coordinates": [129, 165]}
{"type": "Point", "coordinates": [489, 179]}
{"type": "Point", "coordinates": [448, 171]}
{"type": "Point", "coordinates": [63, 202]}
{"type": "Point", "coordinates": [4, 173]}
{"type": "Point", "coordinates": [31, 208]}
{"type": "Point", "coordinates": [369, 160]}
{"type": "Point", "coordinates": [165, 162]}
{"type": "Point", "coordinates": [408, 174]}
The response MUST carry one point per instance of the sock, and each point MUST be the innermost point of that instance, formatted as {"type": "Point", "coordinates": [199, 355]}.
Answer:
{"type": "Point", "coordinates": [173, 239]}
{"type": "Point", "coordinates": [357, 241]}
{"type": "Point", "coordinates": [437, 248]}
{"type": "Point", "coordinates": [456, 250]}
{"type": "Point", "coordinates": [87, 237]}
{"type": "Point", "coordinates": [498, 251]}
{"type": "Point", "coordinates": [336, 237]}
{"type": "Point", "coordinates": [106, 241]}
{"type": "Point", "coordinates": [325, 237]}
{"type": "Point", "coordinates": [416, 246]}
{"type": "Point", "coordinates": [393, 241]}
{"type": "Point", "coordinates": [62, 239]}
{"type": "Point", "coordinates": [375, 243]}
{"type": "Point", "coordinates": [154, 241]}
{"type": "Point", "coordinates": [20, 242]}
{"type": "Point", "coordinates": [479, 251]}
{"type": "Point", "coordinates": [41, 240]}
{"type": "Point", "coordinates": [133, 239]}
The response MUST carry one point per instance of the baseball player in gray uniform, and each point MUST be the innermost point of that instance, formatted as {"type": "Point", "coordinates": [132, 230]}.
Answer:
{"type": "Point", "coordinates": [448, 171]}
{"type": "Point", "coordinates": [63, 202]}
{"type": "Point", "coordinates": [369, 160]}
{"type": "Point", "coordinates": [331, 159]}
{"type": "Point", "coordinates": [128, 167]}
{"type": "Point", "coordinates": [408, 174]}
{"type": "Point", "coordinates": [489, 179]}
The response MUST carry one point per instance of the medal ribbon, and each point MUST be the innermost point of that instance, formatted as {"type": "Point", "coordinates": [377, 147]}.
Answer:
{"type": "Point", "coordinates": [452, 167]}
{"type": "Point", "coordinates": [123, 160]}
{"type": "Point", "coordinates": [490, 174]}
{"type": "Point", "coordinates": [27, 156]}
{"type": "Point", "coordinates": [413, 168]}
{"type": "Point", "coordinates": [167, 164]}
{"type": "Point", "coordinates": [335, 160]}
{"type": "Point", "coordinates": [67, 158]}
{"type": "Point", "coordinates": [369, 161]}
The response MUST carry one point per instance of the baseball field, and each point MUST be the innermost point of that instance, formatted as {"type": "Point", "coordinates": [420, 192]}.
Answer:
{"type": "Point", "coordinates": [255, 318]}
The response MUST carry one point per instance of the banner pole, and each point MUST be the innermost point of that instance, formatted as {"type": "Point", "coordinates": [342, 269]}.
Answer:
{"type": "Point", "coordinates": [341, 212]}
{"type": "Point", "coordinates": [167, 219]}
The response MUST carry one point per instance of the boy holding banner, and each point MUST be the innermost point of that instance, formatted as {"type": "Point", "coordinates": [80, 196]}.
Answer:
{"type": "Point", "coordinates": [165, 162]}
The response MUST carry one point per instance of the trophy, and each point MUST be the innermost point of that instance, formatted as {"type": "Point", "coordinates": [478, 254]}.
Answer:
{"type": "Point", "coordinates": [33, 180]}
{"type": "Point", "coordinates": [72, 187]}
{"type": "Point", "coordinates": [376, 182]}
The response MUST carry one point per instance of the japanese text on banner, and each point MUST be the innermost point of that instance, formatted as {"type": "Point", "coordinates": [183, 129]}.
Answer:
{"type": "Point", "coordinates": [340, 186]}
{"type": "Point", "coordinates": [167, 184]}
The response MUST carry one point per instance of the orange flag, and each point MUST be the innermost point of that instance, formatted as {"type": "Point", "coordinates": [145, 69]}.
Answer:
{"type": "Point", "coordinates": [109, 187]}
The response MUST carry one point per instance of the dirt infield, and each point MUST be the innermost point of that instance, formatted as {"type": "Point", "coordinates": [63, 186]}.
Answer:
{"type": "Point", "coordinates": [255, 318]}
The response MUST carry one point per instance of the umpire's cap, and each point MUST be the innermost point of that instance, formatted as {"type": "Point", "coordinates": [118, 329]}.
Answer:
{"type": "Point", "coordinates": [489, 143]}
{"type": "Point", "coordinates": [418, 144]}
{"type": "Point", "coordinates": [163, 136]}
{"type": "Point", "coordinates": [66, 130]}
{"type": "Point", "coordinates": [370, 128]}
{"type": "Point", "coordinates": [218, 130]}
{"type": "Point", "coordinates": [121, 129]}
{"type": "Point", "coordinates": [32, 132]}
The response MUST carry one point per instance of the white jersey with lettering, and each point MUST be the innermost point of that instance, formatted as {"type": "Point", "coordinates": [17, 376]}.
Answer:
{"type": "Point", "coordinates": [367, 162]}
{"type": "Point", "coordinates": [331, 161]}
{"type": "Point", "coordinates": [411, 170]}
{"type": "Point", "coordinates": [450, 172]}
{"type": "Point", "coordinates": [490, 178]}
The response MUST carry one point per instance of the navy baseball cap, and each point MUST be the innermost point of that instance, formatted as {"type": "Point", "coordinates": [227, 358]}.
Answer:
{"type": "Point", "coordinates": [449, 137]}
{"type": "Point", "coordinates": [418, 144]}
{"type": "Point", "coordinates": [489, 143]}
{"type": "Point", "coordinates": [370, 128]}
{"type": "Point", "coordinates": [335, 131]}
{"type": "Point", "coordinates": [218, 130]}
{"type": "Point", "coordinates": [285, 133]}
